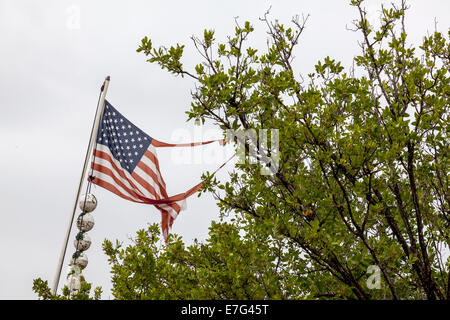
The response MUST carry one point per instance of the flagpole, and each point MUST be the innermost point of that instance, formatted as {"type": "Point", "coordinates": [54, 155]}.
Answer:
{"type": "Point", "coordinates": [93, 138]}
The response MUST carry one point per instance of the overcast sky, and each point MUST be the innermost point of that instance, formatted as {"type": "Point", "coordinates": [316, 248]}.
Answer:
{"type": "Point", "coordinates": [54, 57]}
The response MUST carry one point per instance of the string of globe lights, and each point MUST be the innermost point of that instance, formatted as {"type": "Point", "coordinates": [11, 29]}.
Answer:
{"type": "Point", "coordinates": [82, 242]}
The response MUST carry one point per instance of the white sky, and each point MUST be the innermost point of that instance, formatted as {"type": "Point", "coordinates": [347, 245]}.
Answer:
{"type": "Point", "coordinates": [52, 65]}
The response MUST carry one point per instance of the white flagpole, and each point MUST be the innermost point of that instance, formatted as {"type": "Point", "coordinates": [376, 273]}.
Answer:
{"type": "Point", "coordinates": [92, 140]}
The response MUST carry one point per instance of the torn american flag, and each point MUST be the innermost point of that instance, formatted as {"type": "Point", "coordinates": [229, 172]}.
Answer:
{"type": "Point", "coordinates": [125, 163]}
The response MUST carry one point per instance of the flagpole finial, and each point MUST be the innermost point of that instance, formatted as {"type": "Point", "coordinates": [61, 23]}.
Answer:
{"type": "Point", "coordinates": [108, 78]}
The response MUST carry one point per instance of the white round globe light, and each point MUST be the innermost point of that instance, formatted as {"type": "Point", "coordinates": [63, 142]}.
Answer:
{"type": "Point", "coordinates": [73, 282]}
{"type": "Point", "coordinates": [82, 241]}
{"type": "Point", "coordinates": [87, 202]}
{"type": "Point", "coordinates": [85, 222]}
{"type": "Point", "coordinates": [80, 261]}
{"type": "Point", "coordinates": [73, 269]}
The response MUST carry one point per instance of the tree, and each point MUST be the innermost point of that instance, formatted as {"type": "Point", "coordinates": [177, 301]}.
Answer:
{"type": "Point", "coordinates": [363, 174]}
{"type": "Point", "coordinates": [41, 288]}
{"type": "Point", "coordinates": [226, 266]}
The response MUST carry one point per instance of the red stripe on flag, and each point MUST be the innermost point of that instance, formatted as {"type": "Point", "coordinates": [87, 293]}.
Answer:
{"type": "Point", "coordinates": [110, 173]}
{"type": "Point", "coordinates": [152, 157]}
{"type": "Point", "coordinates": [107, 157]}
{"type": "Point", "coordinates": [160, 144]}
{"type": "Point", "coordinates": [158, 197]}
{"type": "Point", "coordinates": [108, 186]}
{"type": "Point", "coordinates": [150, 173]}
{"type": "Point", "coordinates": [112, 188]}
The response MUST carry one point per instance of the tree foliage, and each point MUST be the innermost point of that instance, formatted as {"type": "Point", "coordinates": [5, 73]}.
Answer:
{"type": "Point", "coordinates": [41, 288]}
{"type": "Point", "coordinates": [227, 266]}
{"type": "Point", "coordinates": [363, 176]}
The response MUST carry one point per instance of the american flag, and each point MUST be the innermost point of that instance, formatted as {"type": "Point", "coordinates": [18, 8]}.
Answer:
{"type": "Point", "coordinates": [125, 163]}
